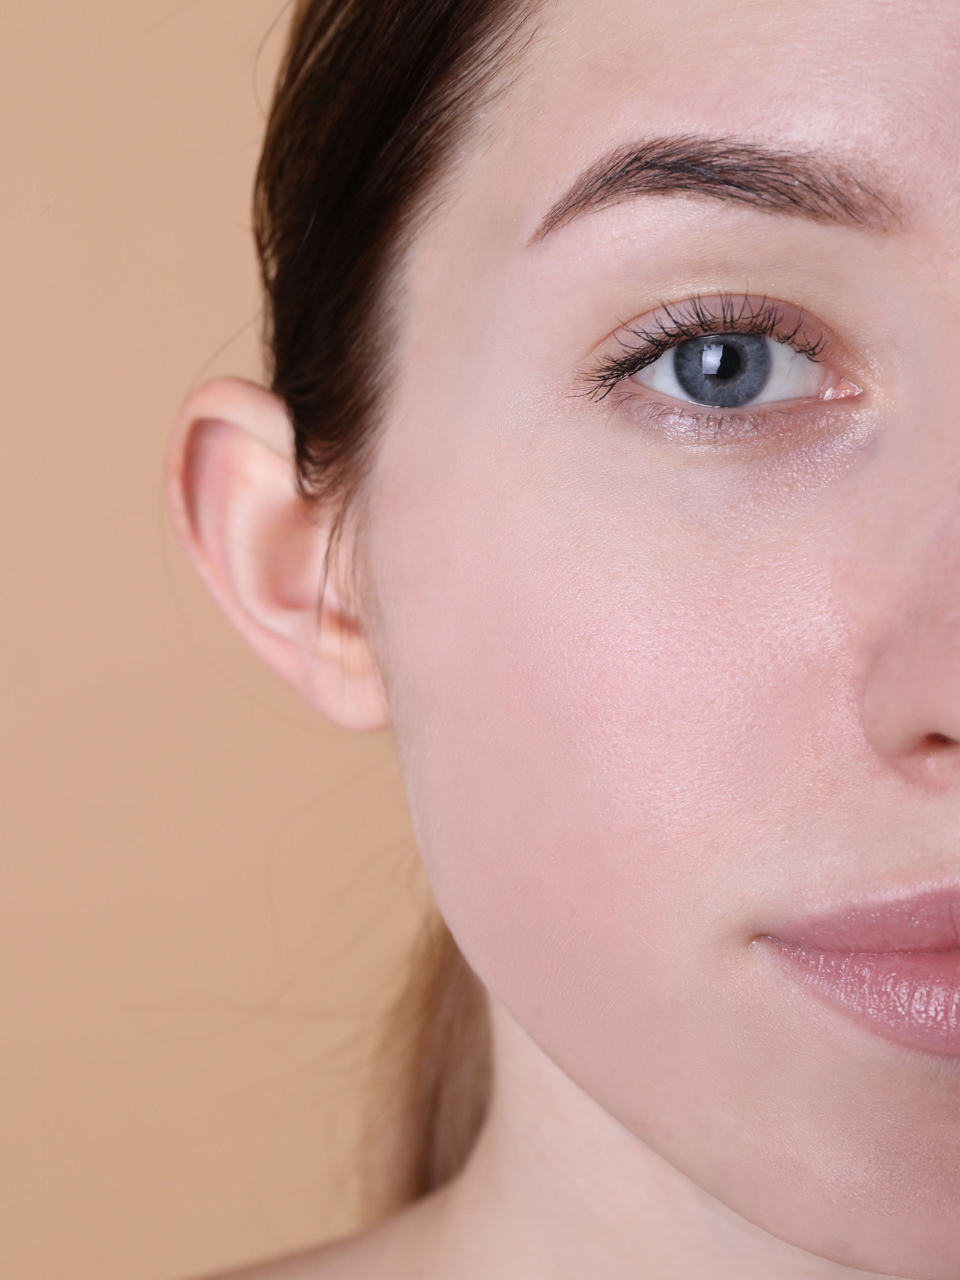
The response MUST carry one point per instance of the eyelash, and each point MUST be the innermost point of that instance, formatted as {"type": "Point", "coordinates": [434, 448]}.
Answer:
{"type": "Point", "coordinates": [723, 313]}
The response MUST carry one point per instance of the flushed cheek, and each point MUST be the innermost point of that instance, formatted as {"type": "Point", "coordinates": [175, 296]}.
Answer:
{"type": "Point", "coordinates": [610, 738]}
{"type": "Point", "coordinates": [595, 741]}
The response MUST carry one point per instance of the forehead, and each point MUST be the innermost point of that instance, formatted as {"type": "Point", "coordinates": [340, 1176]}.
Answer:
{"type": "Point", "coordinates": [875, 82]}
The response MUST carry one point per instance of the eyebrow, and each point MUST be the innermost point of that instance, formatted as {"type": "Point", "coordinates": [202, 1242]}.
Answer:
{"type": "Point", "coordinates": [799, 184]}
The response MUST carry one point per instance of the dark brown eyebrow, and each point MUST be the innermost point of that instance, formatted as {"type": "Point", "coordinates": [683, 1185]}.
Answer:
{"type": "Point", "coordinates": [795, 183]}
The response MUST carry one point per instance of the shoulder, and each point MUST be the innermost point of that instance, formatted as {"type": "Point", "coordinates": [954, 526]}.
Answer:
{"type": "Point", "coordinates": [403, 1248]}
{"type": "Point", "coordinates": [344, 1260]}
{"type": "Point", "coordinates": [325, 1263]}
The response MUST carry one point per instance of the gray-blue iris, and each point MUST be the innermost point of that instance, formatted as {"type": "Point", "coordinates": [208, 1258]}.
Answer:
{"type": "Point", "coordinates": [724, 370]}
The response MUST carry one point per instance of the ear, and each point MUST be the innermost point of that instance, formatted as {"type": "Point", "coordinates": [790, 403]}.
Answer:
{"type": "Point", "coordinates": [261, 549]}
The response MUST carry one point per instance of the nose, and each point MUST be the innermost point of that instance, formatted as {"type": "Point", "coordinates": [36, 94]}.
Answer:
{"type": "Point", "coordinates": [911, 696]}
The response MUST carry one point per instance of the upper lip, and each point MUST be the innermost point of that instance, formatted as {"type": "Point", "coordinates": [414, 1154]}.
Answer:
{"type": "Point", "coordinates": [923, 921]}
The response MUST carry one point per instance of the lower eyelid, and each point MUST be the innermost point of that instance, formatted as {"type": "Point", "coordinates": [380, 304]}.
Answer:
{"type": "Point", "coordinates": [780, 425]}
{"type": "Point", "coordinates": [700, 426]}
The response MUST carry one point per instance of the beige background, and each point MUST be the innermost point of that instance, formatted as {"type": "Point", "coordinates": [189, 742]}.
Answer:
{"type": "Point", "coordinates": [204, 891]}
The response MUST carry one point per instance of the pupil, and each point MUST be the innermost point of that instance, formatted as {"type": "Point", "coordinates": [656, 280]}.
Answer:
{"type": "Point", "coordinates": [720, 360]}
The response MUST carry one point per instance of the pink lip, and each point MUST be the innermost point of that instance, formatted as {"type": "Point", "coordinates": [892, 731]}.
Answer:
{"type": "Point", "coordinates": [894, 966]}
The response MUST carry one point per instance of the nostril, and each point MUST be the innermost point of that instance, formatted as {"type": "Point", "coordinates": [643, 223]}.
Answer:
{"type": "Point", "coordinates": [937, 741]}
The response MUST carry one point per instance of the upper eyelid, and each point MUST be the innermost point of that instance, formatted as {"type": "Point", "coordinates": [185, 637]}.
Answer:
{"type": "Point", "coordinates": [766, 318]}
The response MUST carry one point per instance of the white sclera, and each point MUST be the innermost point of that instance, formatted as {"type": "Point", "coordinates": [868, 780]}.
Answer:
{"type": "Point", "coordinates": [793, 376]}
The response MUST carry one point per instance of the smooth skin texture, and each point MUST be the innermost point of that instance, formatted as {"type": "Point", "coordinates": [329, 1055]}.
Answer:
{"type": "Point", "coordinates": [661, 679]}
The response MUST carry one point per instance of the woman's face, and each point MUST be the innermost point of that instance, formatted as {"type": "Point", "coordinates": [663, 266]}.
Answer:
{"type": "Point", "coordinates": [673, 652]}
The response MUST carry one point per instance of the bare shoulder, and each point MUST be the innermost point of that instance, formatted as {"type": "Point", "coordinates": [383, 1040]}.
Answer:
{"type": "Point", "coordinates": [343, 1260]}
{"type": "Point", "coordinates": [403, 1248]}
{"type": "Point", "coordinates": [339, 1261]}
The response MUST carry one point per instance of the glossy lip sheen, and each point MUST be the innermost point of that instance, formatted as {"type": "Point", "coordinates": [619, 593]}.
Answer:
{"type": "Point", "coordinates": [894, 967]}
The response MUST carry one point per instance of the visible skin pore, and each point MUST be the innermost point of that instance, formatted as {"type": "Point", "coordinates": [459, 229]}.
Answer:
{"type": "Point", "coordinates": [659, 683]}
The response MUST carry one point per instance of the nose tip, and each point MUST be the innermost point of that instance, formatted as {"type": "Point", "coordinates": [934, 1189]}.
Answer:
{"type": "Point", "coordinates": [911, 702]}
{"type": "Point", "coordinates": [934, 760]}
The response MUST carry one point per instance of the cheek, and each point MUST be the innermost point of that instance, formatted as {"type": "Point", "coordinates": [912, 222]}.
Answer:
{"type": "Point", "coordinates": [626, 744]}
{"type": "Point", "coordinates": [596, 718]}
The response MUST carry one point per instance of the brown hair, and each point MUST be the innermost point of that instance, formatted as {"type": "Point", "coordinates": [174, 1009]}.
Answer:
{"type": "Point", "coordinates": [432, 1087]}
{"type": "Point", "coordinates": [372, 99]}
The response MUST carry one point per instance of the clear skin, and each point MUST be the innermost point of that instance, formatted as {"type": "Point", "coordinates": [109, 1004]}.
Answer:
{"type": "Point", "coordinates": [655, 687]}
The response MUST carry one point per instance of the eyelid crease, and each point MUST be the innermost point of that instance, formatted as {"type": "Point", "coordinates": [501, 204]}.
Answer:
{"type": "Point", "coordinates": [696, 318]}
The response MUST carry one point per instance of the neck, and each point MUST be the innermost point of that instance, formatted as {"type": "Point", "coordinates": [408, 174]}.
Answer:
{"type": "Point", "coordinates": [558, 1190]}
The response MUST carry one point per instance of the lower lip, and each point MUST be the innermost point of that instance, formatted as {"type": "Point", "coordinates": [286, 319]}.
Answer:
{"type": "Point", "coordinates": [894, 968]}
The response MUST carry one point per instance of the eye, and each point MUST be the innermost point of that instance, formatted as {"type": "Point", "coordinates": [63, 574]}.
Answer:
{"type": "Point", "coordinates": [723, 352]}
{"type": "Point", "coordinates": [732, 370]}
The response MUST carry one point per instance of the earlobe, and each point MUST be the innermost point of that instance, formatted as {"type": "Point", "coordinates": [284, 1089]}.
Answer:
{"type": "Point", "coordinates": [261, 549]}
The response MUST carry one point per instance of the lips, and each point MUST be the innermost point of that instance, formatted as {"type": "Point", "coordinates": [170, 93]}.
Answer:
{"type": "Point", "coordinates": [893, 967]}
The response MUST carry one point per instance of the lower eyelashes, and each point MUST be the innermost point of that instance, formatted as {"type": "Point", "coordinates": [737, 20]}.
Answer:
{"type": "Point", "coordinates": [732, 371]}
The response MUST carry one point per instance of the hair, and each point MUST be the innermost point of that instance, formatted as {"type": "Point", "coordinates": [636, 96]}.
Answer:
{"type": "Point", "coordinates": [372, 101]}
